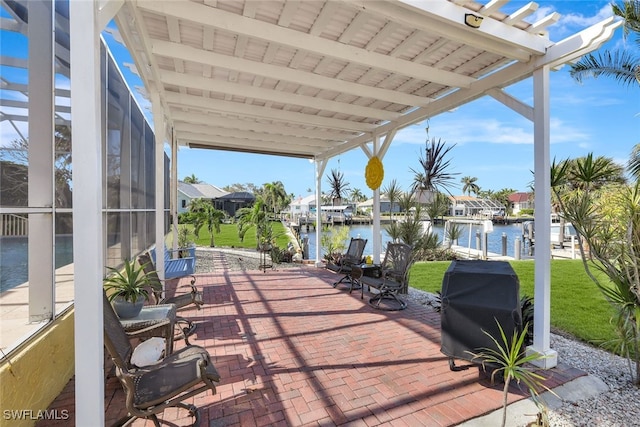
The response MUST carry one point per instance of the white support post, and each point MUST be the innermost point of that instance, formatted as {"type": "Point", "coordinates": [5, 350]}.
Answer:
{"type": "Point", "coordinates": [158, 129]}
{"type": "Point", "coordinates": [377, 237]}
{"type": "Point", "coordinates": [542, 217]}
{"type": "Point", "coordinates": [87, 212]}
{"type": "Point", "coordinates": [41, 244]}
{"type": "Point", "coordinates": [320, 167]}
{"type": "Point", "coordinates": [173, 204]}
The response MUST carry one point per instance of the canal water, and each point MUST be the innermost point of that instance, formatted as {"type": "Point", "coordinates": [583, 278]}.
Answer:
{"type": "Point", "coordinates": [494, 239]}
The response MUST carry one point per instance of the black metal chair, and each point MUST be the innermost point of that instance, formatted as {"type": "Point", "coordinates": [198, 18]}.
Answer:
{"type": "Point", "coordinates": [182, 300]}
{"type": "Point", "coordinates": [152, 389]}
{"type": "Point", "coordinates": [347, 261]}
{"type": "Point", "coordinates": [394, 278]}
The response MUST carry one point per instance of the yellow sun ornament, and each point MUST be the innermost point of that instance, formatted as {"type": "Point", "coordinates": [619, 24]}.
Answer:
{"type": "Point", "coordinates": [374, 173]}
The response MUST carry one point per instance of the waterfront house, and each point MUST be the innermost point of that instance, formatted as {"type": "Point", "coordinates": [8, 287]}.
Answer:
{"type": "Point", "coordinates": [188, 192]}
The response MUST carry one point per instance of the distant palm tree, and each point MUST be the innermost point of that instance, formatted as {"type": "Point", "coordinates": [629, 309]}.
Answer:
{"type": "Point", "coordinates": [622, 65]}
{"type": "Point", "coordinates": [275, 196]}
{"type": "Point", "coordinates": [393, 193]}
{"type": "Point", "coordinates": [205, 214]}
{"type": "Point", "coordinates": [191, 179]}
{"type": "Point", "coordinates": [356, 195]}
{"type": "Point", "coordinates": [469, 185]}
{"type": "Point", "coordinates": [256, 215]}
{"type": "Point", "coordinates": [338, 186]}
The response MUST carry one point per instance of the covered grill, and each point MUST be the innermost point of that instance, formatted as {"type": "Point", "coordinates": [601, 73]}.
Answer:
{"type": "Point", "coordinates": [474, 295]}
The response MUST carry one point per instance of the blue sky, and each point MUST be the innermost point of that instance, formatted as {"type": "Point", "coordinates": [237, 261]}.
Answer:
{"type": "Point", "coordinates": [491, 142]}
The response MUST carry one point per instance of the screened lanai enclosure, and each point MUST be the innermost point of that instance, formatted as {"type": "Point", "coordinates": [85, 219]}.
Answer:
{"type": "Point", "coordinates": [308, 79]}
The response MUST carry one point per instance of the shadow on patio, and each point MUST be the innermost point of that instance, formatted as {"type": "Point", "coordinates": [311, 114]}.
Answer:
{"type": "Point", "coordinates": [292, 350]}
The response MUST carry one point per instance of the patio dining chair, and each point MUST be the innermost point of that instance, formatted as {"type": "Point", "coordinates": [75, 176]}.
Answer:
{"type": "Point", "coordinates": [394, 278]}
{"type": "Point", "coordinates": [345, 262]}
{"type": "Point", "coordinates": [152, 389]}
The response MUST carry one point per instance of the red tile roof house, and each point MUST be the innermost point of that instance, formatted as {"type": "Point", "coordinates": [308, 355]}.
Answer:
{"type": "Point", "coordinates": [520, 201]}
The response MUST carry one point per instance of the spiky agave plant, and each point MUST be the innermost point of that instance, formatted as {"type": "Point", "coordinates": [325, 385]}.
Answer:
{"type": "Point", "coordinates": [510, 359]}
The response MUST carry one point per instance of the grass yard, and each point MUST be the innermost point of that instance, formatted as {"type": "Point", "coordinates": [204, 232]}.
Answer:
{"type": "Point", "coordinates": [228, 236]}
{"type": "Point", "coordinates": [577, 306]}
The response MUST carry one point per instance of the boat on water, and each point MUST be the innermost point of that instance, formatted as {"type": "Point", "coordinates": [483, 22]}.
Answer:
{"type": "Point", "coordinates": [560, 232]}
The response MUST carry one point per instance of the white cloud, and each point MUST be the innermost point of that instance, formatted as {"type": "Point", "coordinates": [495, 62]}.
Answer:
{"type": "Point", "coordinates": [571, 22]}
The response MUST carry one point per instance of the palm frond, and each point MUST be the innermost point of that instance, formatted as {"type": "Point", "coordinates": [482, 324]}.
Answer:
{"type": "Point", "coordinates": [620, 65]}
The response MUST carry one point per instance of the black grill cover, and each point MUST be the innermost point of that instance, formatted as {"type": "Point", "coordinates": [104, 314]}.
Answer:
{"type": "Point", "coordinates": [474, 294]}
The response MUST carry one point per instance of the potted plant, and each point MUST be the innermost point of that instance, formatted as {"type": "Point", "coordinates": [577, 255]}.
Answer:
{"type": "Point", "coordinates": [128, 289]}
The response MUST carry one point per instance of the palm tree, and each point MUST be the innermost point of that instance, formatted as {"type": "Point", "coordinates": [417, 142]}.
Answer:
{"type": "Point", "coordinates": [275, 196]}
{"type": "Point", "coordinates": [393, 192]}
{"type": "Point", "coordinates": [438, 207]}
{"type": "Point", "coordinates": [469, 185]}
{"type": "Point", "coordinates": [622, 65]}
{"type": "Point", "coordinates": [433, 174]}
{"type": "Point", "coordinates": [356, 195]}
{"type": "Point", "coordinates": [256, 215]}
{"type": "Point", "coordinates": [338, 186]}
{"type": "Point", "coordinates": [205, 214]}
{"type": "Point", "coordinates": [191, 179]}
{"type": "Point", "coordinates": [634, 162]}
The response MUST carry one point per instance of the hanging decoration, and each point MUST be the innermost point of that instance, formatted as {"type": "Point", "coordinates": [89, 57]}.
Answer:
{"type": "Point", "coordinates": [374, 173]}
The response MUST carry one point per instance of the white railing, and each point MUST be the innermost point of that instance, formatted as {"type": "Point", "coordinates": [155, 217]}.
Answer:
{"type": "Point", "coordinates": [13, 225]}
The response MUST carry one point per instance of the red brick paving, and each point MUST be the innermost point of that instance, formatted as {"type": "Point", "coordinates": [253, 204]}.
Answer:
{"type": "Point", "coordinates": [292, 350]}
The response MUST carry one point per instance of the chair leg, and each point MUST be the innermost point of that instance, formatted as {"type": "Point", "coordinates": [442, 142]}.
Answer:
{"type": "Point", "coordinates": [376, 300]}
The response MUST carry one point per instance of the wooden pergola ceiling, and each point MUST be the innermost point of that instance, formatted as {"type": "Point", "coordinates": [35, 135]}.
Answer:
{"type": "Point", "coordinates": [318, 78]}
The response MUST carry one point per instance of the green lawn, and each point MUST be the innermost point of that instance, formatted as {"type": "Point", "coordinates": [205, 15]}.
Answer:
{"type": "Point", "coordinates": [228, 236]}
{"type": "Point", "coordinates": [577, 306]}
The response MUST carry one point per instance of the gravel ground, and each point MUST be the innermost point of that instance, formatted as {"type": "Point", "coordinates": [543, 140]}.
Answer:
{"type": "Point", "coordinates": [619, 407]}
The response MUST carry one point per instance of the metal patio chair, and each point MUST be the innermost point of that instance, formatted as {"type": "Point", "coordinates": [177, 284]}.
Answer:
{"type": "Point", "coordinates": [180, 301]}
{"type": "Point", "coordinates": [347, 261]}
{"type": "Point", "coordinates": [152, 389]}
{"type": "Point", "coordinates": [394, 278]}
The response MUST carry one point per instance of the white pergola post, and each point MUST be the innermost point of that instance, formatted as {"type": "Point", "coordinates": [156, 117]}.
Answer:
{"type": "Point", "coordinates": [377, 237]}
{"type": "Point", "coordinates": [173, 202]}
{"type": "Point", "coordinates": [41, 158]}
{"type": "Point", "coordinates": [87, 212]}
{"type": "Point", "coordinates": [159, 130]}
{"type": "Point", "coordinates": [320, 167]}
{"type": "Point", "coordinates": [542, 217]}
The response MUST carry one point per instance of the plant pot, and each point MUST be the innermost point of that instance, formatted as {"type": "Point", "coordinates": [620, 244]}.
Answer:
{"type": "Point", "coordinates": [126, 309]}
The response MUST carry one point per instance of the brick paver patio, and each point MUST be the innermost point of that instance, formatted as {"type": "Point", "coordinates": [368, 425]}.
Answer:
{"type": "Point", "coordinates": [294, 351]}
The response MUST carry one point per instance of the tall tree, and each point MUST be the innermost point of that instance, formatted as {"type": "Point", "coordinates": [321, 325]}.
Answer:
{"type": "Point", "coordinates": [254, 216]}
{"type": "Point", "coordinates": [622, 65]}
{"type": "Point", "coordinates": [469, 185]}
{"type": "Point", "coordinates": [193, 179]}
{"type": "Point", "coordinates": [356, 195]}
{"type": "Point", "coordinates": [275, 196]}
{"type": "Point", "coordinates": [393, 193]}
{"type": "Point", "coordinates": [205, 214]}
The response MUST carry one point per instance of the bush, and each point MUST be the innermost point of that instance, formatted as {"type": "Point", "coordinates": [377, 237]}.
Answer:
{"type": "Point", "coordinates": [435, 254]}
